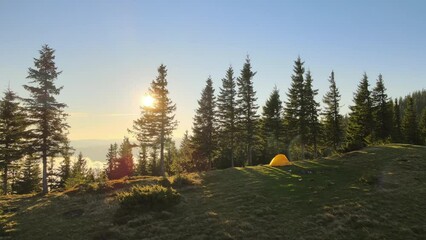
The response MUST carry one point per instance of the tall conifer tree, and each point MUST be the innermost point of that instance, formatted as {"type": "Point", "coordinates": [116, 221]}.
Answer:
{"type": "Point", "coordinates": [422, 127]}
{"type": "Point", "coordinates": [273, 123]}
{"type": "Point", "coordinates": [111, 158]}
{"type": "Point", "coordinates": [409, 124]}
{"type": "Point", "coordinates": [227, 115]}
{"type": "Point", "coordinates": [45, 113]}
{"type": "Point", "coordinates": [125, 160]}
{"type": "Point", "coordinates": [163, 122]}
{"type": "Point", "coordinates": [312, 113]}
{"type": "Point", "coordinates": [28, 176]}
{"type": "Point", "coordinates": [145, 134]}
{"type": "Point", "coordinates": [65, 167]}
{"type": "Point", "coordinates": [141, 168]}
{"type": "Point", "coordinates": [246, 102]}
{"type": "Point", "coordinates": [396, 129]}
{"type": "Point", "coordinates": [13, 134]}
{"type": "Point", "coordinates": [360, 118]}
{"type": "Point", "coordinates": [183, 162]}
{"type": "Point", "coordinates": [381, 112]}
{"type": "Point", "coordinates": [79, 168]}
{"type": "Point", "coordinates": [204, 127]}
{"type": "Point", "coordinates": [295, 110]}
{"type": "Point", "coordinates": [157, 122]}
{"type": "Point", "coordinates": [332, 117]}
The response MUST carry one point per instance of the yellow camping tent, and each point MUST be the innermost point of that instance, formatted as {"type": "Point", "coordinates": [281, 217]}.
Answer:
{"type": "Point", "coordinates": [279, 160]}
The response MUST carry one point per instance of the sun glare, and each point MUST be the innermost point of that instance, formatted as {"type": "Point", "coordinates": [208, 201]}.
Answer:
{"type": "Point", "coordinates": [147, 101]}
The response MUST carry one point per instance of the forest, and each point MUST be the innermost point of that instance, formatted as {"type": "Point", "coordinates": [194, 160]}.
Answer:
{"type": "Point", "coordinates": [229, 128]}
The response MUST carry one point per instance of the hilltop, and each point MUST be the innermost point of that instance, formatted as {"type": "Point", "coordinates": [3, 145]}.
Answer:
{"type": "Point", "coordinates": [374, 193]}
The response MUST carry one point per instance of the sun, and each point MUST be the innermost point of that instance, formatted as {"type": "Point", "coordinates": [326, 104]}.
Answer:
{"type": "Point", "coordinates": [147, 101]}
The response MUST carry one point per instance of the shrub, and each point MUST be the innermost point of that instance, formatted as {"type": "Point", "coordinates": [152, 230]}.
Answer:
{"type": "Point", "coordinates": [74, 182]}
{"type": "Point", "coordinates": [99, 187]}
{"type": "Point", "coordinates": [164, 182]}
{"type": "Point", "coordinates": [147, 198]}
{"type": "Point", "coordinates": [181, 180]}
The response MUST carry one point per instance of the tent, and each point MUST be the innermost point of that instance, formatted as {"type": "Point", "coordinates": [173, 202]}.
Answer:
{"type": "Point", "coordinates": [279, 160]}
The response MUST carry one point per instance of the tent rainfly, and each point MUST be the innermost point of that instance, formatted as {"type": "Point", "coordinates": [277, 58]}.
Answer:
{"type": "Point", "coordinates": [279, 160]}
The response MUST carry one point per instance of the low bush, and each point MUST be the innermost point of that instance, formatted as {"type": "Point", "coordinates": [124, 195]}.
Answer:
{"type": "Point", "coordinates": [148, 198]}
{"type": "Point", "coordinates": [165, 182]}
{"type": "Point", "coordinates": [181, 180]}
{"type": "Point", "coordinates": [74, 182]}
{"type": "Point", "coordinates": [99, 187]}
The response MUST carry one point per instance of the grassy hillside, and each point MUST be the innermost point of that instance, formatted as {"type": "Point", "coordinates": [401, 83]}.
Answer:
{"type": "Point", "coordinates": [376, 193]}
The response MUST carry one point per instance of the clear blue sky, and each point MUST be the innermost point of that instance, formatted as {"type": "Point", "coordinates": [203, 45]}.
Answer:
{"type": "Point", "coordinates": [109, 50]}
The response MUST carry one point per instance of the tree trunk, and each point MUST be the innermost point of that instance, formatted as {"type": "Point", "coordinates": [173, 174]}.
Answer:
{"type": "Point", "coordinates": [44, 163]}
{"type": "Point", "coordinates": [45, 188]}
{"type": "Point", "coordinates": [249, 156]}
{"type": "Point", "coordinates": [232, 148]}
{"type": "Point", "coordinates": [5, 180]}
{"type": "Point", "coordinates": [162, 172]}
{"type": "Point", "coordinates": [232, 157]}
{"type": "Point", "coordinates": [315, 148]}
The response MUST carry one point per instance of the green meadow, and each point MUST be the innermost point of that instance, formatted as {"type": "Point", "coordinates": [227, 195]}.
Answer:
{"type": "Point", "coordinates": [375, 193]}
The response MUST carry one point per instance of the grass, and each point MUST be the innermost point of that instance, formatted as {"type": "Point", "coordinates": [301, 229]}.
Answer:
{"type": "Point", "coordinates": [376, 193]}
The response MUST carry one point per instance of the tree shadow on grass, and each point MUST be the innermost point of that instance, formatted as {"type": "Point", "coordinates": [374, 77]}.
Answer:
{"type": "Point", "coordinates": [54, 215]}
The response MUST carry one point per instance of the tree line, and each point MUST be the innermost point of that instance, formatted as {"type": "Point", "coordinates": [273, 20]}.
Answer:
{"type": "Point", "coordinates": [227, 130]}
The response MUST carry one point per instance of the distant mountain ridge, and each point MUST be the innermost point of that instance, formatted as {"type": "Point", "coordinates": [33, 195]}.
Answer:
{"type": "Point", "coordinates": [96, 149]}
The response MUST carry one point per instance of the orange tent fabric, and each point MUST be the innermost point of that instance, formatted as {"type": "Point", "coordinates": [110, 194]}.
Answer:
{"type": "Point", "coordinates": [279, 160]}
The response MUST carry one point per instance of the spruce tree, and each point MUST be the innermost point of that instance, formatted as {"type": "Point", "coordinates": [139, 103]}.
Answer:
{"type": "Point", "coordinates": [79, 172]}
{"type": "Point", "coordinates": [332, 118]}
{"type": "Point", "coordinates": [157, 123]}
{"type": "Point", "coordinates": [204, 128]}
{"type": "Point", "coordinates": [381, 113]}
{"type": "Point", "coordinates": [360, 118]}
{"type": "Point", "coordinates": [422, 127]}
{"type": "Point", "coordinates": [65, 167]}
{"type": "Point", "coordinates": [396, 129]}
{"type": "Point", "coordinates": [28, 176]}
{"type": "Point", "coordinates": [13, 134]}
{"type": "Point", "coordinates": [79, 169]}
{"type": "Point", "coordinates": [125, 161]}
{"type": "Point", "coordinates": [111, 158]}
{"type": "Point", "coordinates": [312, 113]}
{"type": "Point", "coordinates": [419, 98]}
{"type": "Point", "coordinates": [227, 116]}
{"type": "Point", "coordinates": [409, 123]}
{"type": "Point", "coordinates": [295, 110]}
{"type": "Point", "coordinates": [273, 123]}
{"type": "Point", "coordinates": [90, 175]}
{"type": "Point", "coordinates": [183, 162]}
{"type": "Point", "coordinates": [142, 166]}
{"type": "Point", "coordinates": [144, 133]}
{"type": "Point", "coordinates": [171, 154]}
{"type": "Point", "coordinates": [153, 164]}
{"type": "Point", "coordinates": [164, 110]}
{"type": "Point", "coordinates": [246, 103]}
{"type": "Point", "coordinates": [45, 113]}
{"type": "Point", "coordinates": [119, 161]}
